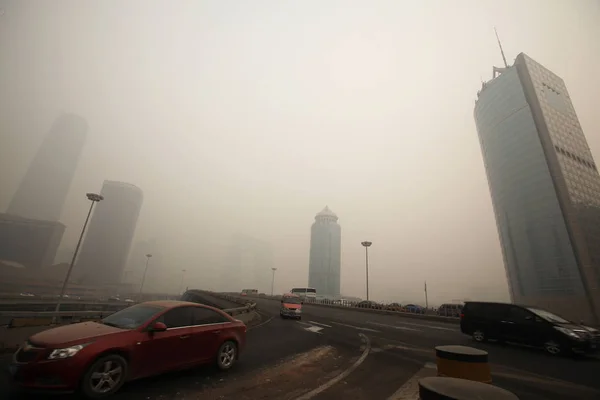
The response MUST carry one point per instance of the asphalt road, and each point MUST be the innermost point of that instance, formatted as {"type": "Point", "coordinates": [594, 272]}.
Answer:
{"type": "Point", "coordinates": [379, 353]}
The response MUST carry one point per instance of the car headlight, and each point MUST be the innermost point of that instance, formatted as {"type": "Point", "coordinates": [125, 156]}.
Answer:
{"type": "Point", "coordinates": [298, 311]}
{"type": "Point", "coordinates": [568, 332]}
{"type": "Point", "coordinates": [67, 352]}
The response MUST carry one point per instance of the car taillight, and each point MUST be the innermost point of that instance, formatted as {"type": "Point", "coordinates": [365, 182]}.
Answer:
{"type": "Point", "coordinates": [462, 315]}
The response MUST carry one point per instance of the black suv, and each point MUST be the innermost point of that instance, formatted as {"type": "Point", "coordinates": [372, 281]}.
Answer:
{"type": "Point", "coordinates": [527, 325]}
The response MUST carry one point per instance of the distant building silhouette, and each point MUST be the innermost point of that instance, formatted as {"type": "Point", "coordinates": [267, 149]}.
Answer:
{"type": "Point", "coordinates": [106, 246]}
{"type": "Point", "coordinates": [545, 189]}
{"type": "Point", "coordinates": [325, 254]}
{"type": "Point", "coordinates": [248, 263]}
{"type": "Point", "coordinates": [43, 190]}
{"type": "Point", "coordinates": [29, 242]}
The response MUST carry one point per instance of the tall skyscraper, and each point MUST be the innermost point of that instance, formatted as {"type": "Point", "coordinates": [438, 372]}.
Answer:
{"type": "Point", "coordinates": [106, 246]}
{"type": "Point", "coordinates": [325, 254]}
{"type": "Point", "coordinates": [44, 188]}
{"type": "Point", "coordinates": [29, 242]}
{"type": "Point", "coordinates": [545, 189]}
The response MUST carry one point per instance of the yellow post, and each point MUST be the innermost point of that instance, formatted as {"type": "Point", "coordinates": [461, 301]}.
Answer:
{"type": "Point", "coordinates": [463, 362]}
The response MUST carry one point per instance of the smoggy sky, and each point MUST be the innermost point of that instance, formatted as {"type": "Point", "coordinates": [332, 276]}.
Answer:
{"type": "Point", "coordinates": [249, 117]}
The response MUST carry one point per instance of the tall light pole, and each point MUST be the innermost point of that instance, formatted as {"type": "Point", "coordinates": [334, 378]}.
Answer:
{"type": "Point", "coordinates": [367, 245]}
{"type": "Point", "coordinates": [94, 198]}
{"type": "Point", "coordinates": [144, 277]}
{"type": "Point", "coordinates": [182, 276]}
{"type": "Point", "coordinates": [273, 280]}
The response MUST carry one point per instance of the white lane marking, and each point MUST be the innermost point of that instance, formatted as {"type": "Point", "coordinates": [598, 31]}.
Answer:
{"type": "Point", "coordinates": [341, 376]}
{"type": "Point", "coordinates": [404, 328]}
{"type": "Point", "coordinates": [320, 323]}
{"type": "Point", "coordinates": [314, 329]}
{"type": "Point", "coordinates": [384, 348]}
{"type": "Point", "coordinates": [410, 389]}
{"type": "Point", "coordinates": [441, 328]}
{"type": "Point", "coordinates": [360, 328]}
{"type": "Point", "coordinates": [303, 323]}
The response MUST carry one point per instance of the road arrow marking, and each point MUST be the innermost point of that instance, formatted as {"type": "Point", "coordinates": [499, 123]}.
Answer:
{"type": "Point", "coordinates": [314, 329]}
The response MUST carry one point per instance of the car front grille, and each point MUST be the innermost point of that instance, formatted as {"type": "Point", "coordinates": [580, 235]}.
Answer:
{"type": "Point", "coordinates": [28, 353]}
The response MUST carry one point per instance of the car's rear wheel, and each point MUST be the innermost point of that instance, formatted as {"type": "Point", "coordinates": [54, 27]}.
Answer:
{"type": "Point", "coordinates": [227, 355]}
{"type": "Point", "coordinates": [479, 336]}
{"type": "Point", "coordinates": [104, 377]}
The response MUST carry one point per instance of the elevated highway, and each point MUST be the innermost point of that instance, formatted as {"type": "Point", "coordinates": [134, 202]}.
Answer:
{"type": "Point", "coordinates": [341, 353]}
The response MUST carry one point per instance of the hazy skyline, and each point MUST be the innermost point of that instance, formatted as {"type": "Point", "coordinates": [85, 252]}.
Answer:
{"type": "Point", "coordinates": [249, 117]}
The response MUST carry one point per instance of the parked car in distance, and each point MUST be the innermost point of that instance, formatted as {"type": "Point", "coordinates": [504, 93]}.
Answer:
{"type": "Point", "coordinates": [415, 309]}
{"type": "Point", "coordinates": [394, 307]}
{"type": "Point", "coordinates": [450, 310]}
{"type": "Point", "coordinates": [527, 325]}
{"type": "Point", "coordinates": [151, 338]}
{"type": "Point", "coordinates": [369, 304]}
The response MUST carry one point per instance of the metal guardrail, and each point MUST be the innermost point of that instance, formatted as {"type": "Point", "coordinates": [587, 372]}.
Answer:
{"type": "Point", "coordinates": [11, 318]}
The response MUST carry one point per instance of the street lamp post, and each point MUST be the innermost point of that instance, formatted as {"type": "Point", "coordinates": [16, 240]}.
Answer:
{"type": "Point", "coordinates": [94, 198]}
{"type": "Point", "coordinates": [144, 276]}
{"type": "Point", "coordinates": [182, 276]}
{"type": "Point", "coordinates": [367, 245]}
{"type": "Point", "coordinates": [273, 280]}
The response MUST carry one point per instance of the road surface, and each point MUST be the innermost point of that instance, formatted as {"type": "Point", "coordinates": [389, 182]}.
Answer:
{"type": "Point", "coordinates": [341, 353]}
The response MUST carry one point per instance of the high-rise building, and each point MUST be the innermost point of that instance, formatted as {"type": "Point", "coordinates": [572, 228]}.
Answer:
{"type": "Point", "coordinates": [44, 188]}
{"type": "Point", "coordinates": [545, 189]}
{"type": "Point", "coordinates": [325, 254]}
{"type": "Point", "coordinates": [106, 246]}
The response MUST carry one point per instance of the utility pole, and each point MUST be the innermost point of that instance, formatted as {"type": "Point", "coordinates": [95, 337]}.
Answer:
{"type": "Point", "coordinates": [367, 245]}
{"type": "Point", "coordinates": [426, 301]}
{"type": "Point", "coordinates": [273, 280]}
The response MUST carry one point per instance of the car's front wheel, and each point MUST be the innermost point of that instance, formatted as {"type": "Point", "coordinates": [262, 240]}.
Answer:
{"type": "Point", "coordinates": [104, 377]}
{"type": "Point", "coordinates": [227, 355]}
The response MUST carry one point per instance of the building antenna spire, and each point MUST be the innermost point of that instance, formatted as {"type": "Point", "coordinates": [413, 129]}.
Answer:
{"type": "Point", "coordinates": [501, 50]}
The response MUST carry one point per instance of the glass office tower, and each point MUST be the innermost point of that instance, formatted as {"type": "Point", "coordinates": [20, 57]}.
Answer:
{"type": "Point", "coordinates": [545, 189]}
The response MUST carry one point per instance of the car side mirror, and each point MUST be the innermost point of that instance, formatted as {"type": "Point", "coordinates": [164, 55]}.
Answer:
{"type": "Point", "coordinates": [158, 327]}
{"type": "Point", "coordinates": [301, 302]}
{"type": "Point", "coordinates": [529, 318]}
{"type": "Point", "coordinates": [281, 301]}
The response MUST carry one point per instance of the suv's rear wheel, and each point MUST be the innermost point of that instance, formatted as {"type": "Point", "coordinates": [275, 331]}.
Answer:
{"type": "Point", "coordinates": [479, 336]}
{"type": "Point", "coordinates": [104, 377]}
{"type": "Point", "coordinates": [552, 347]}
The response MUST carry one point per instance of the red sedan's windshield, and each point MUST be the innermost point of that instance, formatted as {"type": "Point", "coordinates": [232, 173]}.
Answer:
{"type": "Point", "coordinates": [132, 317]}
{"type": "Point", "coordinates": [292, 300]}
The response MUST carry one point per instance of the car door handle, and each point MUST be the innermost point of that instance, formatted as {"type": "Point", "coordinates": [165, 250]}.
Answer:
{"type": "Point", "coordinates": [507, 322]}
{"type": "Point", "coordinates": [216, 332]}
{"type": "Point", "coordinates": [184, 337]}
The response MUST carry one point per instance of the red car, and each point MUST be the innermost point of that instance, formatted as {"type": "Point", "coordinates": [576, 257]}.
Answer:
{"type": "Point", "coordinates": [146, 339]}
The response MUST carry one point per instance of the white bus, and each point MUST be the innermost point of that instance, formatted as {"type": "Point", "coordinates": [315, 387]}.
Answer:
{"type": "Point", "coordinates": [309, 293]}
{"type": "Point", "coordinates": [249, 292]}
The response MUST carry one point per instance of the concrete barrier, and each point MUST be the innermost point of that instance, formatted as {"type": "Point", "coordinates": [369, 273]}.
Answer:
{"type": "Point", "coordinates": [22, 322]}
{"type": "Point", "coordinates": [422, 317]}
{"type": "Point", "coordinates": [463, 362]}
{"type": "Point", "coordinates": [436, 388]}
